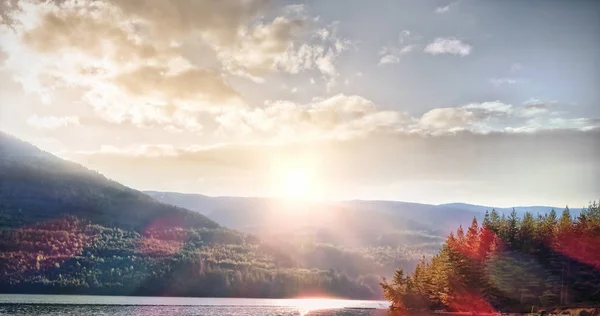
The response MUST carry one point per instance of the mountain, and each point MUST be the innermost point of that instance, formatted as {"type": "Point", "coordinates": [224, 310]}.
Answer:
{"type": "Point", "coordinates": [37, 186]}
{"type": "Point", "coordinates": [506, 210]}
{"type": "Point", "coordinates": [260, 215]}
{"type": "Point", "coordinates": [251, 213]}
{"type": "Point", "coordinates": [354, 224]}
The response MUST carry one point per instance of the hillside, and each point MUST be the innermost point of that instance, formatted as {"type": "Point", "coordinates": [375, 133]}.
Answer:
{"type": "Point", "coordinates": [37, 186]}
{"type": "Point", "coordinates": [67, 229]}
{"type": "Point", "coordinates": [258, 214]}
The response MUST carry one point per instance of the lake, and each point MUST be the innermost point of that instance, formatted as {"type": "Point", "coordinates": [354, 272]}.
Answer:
{"type": "Point", "coordinates": [82, 305]}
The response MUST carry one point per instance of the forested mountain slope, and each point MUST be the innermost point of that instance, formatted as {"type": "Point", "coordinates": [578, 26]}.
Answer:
{"type": "Point", "coordinates": [37, 186]}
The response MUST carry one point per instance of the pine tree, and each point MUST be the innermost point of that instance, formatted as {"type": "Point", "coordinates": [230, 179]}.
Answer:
{"type": "Point", "coordinates": [565, 222]}
{"type": "Point", "coordinates": [512, 227]}
{"type": "Point", "coordinates": [526, 234]}
{"type": "Point", "coordinates": [494, 223]}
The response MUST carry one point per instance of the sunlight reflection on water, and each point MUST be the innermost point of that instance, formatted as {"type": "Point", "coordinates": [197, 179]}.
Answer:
{"type": "Point", "coordinates": [55, 305]}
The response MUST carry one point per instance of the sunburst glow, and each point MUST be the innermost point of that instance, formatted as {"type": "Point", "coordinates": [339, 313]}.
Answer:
{"type": "Point", "coordinates": [297, 184]}
{"type": "Point", "coordinates": [295, 180]}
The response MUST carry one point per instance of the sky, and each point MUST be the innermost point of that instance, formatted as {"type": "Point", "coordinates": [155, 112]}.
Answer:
{"type": "Point", "coordinates": [434, 101]}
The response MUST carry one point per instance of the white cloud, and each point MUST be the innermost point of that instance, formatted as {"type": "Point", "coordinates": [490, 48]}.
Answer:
{"type": "Point", "coordinates": [407, 49]}
{"type": "Point", "coordinates": [537, 103]}
{"type": "Point", "coordinates": [404, 36]}
{"type": "Point", "coordinates": [127, 69]}
{"type": "Point", "coordinates": [581, 123]}
{"type": "Point", "coordinates": [129, 60]}
{"type": "Point", "coordinates": [447, 119]}
{"type": "Point", "coordinates": [338, 117]}
{"type": "Point", "coordinates": [442, 9]}
{"type": "Point", "coordinates": [389, 59]}
{"type": "Point", "coordinates": [497, 116]}
{"type": "Point", "coordinates": [506, 81]}
{"type": "Point", "coordinates": [448, 45]}
{"type": "Point", "coordinates": [538, 124]}
{"type": "Point", "coordinates": [52, 122]}
{"type": "Point", "coordinates": [473, 117]}
{"type": "Point", "coordinates": [283, 47]}
{"type": "Point", "coordinates": [391, 54]}
{"type": "Point", "coordinates": [491, 107]}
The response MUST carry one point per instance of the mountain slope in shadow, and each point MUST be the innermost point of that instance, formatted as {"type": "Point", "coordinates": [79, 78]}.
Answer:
{"type": "Point", "coordinates": [37, 186]}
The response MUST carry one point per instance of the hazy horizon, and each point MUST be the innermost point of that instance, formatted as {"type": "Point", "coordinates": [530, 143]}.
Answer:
{"type": "Point", "coordinates": [558, 207]}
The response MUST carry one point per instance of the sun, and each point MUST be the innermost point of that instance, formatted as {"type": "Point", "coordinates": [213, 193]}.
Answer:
{"type": "Point", "coordinates": [296, 184]}
{"type": "Point", "coordinates": [295, 179]}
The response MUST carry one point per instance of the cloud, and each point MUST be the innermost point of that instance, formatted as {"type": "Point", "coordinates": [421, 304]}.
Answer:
{"type": "Point", "coordinates": [190, 84]}
{"type": "Point", "coordinates": [259, 47]}
{"type": "Point", "coordinates": [282, 46]}
{"type": "Point", "coordinates": [392, 53]}
{"type": "Point", "coordinates": [351, 116]}
{"type": "Point", "coordinates": [537, 104]}
{"type": "Point", "coordinates": [338, 117]}
{"type": "Point", "coordinates": [503, 81]}
{"type": "Point", "coordinates": [538, 124]}
{"type": "Point", "coordinates": [389, 59]}
{"type": "Point", "coordinates": [52, 122]}
{"type": "Point", "coordinates": [496, 116]}
{"type": "Point", "coordinates": [581, 123]}
{"type": "Point", "coordinates": [443, 9]}
{"type": "Point", "coordinates": [217, 21]}
{"type": "Point", "coordinates": [160, 62]}
{"type": "Point", "coordinates": [447, 119]}
{"type": "Point", "coordinates": [473, 117]}
{"type": "Point", "coordinates": [495, 107]}
{"type": "Point", "coordinates": [533, 108]}
{"type": "Point", "coordinates": [63, 31]}
{"type": "Point", "coordinates": [448, 45]}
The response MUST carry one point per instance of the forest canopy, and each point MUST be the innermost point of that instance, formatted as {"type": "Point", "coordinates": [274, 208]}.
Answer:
{"type": "Point", "coordinates": [508, 263]}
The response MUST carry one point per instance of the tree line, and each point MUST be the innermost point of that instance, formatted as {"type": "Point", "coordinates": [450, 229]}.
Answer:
{"type": "Point", "coordinates": [508, 263]}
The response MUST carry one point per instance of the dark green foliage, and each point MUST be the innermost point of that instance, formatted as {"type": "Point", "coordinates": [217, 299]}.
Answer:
{"type": "Point", "coordinates": [509, 263]}
{"type": "Point", "coordinates": [68, 255]}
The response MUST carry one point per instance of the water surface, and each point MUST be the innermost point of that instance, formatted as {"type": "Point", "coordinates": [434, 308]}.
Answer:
{"type": "Point", "coordinates": [55, 305]}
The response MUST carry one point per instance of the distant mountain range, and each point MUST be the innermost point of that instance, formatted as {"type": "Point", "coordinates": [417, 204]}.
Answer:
{"type": "Point", "coordinates": [252, 214]}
